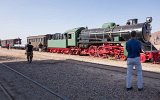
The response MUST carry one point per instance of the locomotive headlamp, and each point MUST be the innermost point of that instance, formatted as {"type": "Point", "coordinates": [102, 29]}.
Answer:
{"type": "Point", "coordinates": [149, 19]}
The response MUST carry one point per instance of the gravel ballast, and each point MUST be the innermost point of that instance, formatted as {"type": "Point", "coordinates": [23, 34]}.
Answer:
{"type": "Point", "coordinates": [77, 81]}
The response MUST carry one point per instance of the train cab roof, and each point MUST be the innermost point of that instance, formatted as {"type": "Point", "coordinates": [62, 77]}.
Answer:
{"type": "Point", "coordinates": [74, 30]}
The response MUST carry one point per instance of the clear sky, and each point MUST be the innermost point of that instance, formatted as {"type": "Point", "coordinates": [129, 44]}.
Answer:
{"type": "Point", "coordinates": [22, 18]}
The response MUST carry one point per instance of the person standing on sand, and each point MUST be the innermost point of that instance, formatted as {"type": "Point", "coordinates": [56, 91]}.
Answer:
{"type": "Point", "coordinates": [133, 47]}
{"type": "Point", "coordinates": [29, 52]}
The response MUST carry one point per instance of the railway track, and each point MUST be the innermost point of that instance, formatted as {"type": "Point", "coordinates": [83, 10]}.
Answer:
{"type": "Point", "coordinates": [33, 81]}
{"type": "Point", "coordinates": [5, 91]}
{"type": "Point", "coordinates": [146, 74]}
{"type": "Point", "coordinates": [88, 65]}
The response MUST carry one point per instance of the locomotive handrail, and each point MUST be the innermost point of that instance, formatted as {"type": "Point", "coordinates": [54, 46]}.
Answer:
{"type": "Point", "coordinates": [118, 32]}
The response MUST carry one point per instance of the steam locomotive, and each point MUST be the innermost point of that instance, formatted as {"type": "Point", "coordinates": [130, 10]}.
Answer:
{"type": "Point", "coordinates": [106, 42]}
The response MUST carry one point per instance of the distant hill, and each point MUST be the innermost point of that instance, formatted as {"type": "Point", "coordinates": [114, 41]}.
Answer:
{"type": "Point", "coordinates": [155, 39]}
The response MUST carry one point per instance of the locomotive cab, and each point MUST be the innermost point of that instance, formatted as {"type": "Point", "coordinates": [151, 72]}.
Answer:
{"type": "Point", "coordinates": [132, 22]}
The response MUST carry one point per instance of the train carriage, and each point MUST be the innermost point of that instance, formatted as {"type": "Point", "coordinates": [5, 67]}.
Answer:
{"type": "Point", "coordinates": [10, 42]}
{"type": "Point", "coordinates": [3, 43]}
{"type": "Point", "coordinates": [36, 40]}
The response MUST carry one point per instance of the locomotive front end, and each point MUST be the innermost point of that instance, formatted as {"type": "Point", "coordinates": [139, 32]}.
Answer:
{"type": "Point", "coordinates": [146, 30]}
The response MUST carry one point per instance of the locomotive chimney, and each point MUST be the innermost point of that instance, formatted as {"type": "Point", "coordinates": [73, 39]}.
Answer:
{"type": "Point", "coordinates": [134, 21]}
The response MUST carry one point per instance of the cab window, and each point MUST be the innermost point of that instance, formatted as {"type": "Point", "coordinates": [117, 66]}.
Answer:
{"type": "Point", "coordinates": [69, 36]}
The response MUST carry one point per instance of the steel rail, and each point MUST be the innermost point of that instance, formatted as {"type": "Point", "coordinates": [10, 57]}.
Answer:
{"type": "Point", "coordinates": [115, 69]}
{"type": "Point", "coordinates": [6, 92]}
{"type": "Point", "coordinates": [110, 68]}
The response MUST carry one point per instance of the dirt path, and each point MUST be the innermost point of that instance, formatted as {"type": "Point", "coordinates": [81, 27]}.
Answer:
{"type": "Point", "coordinates": [44, 55]}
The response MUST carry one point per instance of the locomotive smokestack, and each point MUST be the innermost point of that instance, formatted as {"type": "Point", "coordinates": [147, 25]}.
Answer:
{"type": "Point", "coordinates": [134, 21]}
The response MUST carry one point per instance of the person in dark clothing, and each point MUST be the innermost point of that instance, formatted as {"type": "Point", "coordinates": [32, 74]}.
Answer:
{"type": "Point", "coordinates": [29, 52]}
{"type": "Point", "coordinates": [40, 47]}
{"type": "Point", "coordinates": [8, 46]}
{"type": "Point", "coordinates": [133, 47]}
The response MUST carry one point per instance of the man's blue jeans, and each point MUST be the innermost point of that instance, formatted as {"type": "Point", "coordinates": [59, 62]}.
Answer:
{"type": "Point", "coordinates": [131, 62]}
